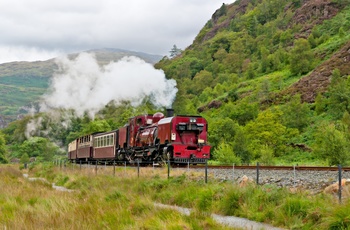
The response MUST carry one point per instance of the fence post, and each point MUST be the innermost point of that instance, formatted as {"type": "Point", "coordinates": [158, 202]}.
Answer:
{"type": "Point", "coordinates": [295, 182]}
{"type": "Point", "coordinates": [340, 187]}
{"type": "Point", "coordinates": [206, 171]}
{"type": "Point", "coordinates": [257, 173]}
{"type": "Point", "coordinates": [233, 172]}
{"type": "Point", "coordinates": [114, 167]}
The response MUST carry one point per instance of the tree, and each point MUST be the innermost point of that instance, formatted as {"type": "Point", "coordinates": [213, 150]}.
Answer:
{"type": "Point", "coordinates": [242, 112]}
{"type": "Point", "coordinates": [296, 114]}
{"type": "Point", "coordinates": [224, 153]}
{"type": "Point", "coordinates": [24, 158]}
{"type": "Point", "coordinates": [95, 126]}
{"type": "Point", "coordinates": [339, 95]}
{"type": "Point", "coordinates": [332, 144]}
{"type": "Point", "coordinates": [268, 130]}
{"type": "Point", "coordinates": [312, 41]}
{"type": "Point", "coordinates": [320, 104]}
{"type": "Point", "coordinates": [221, 130]}
{"type": "Point", "coordinates": [222, 10]}
{"type": "Point", "coordinates": [3, 151]}
{"type": "Point", "coordinates": [174, 51]}
{"type": "Point", "coordinates": [301, 57]}
{"type": "Point", "coordinates": [264, 61]}
{"type": "Point", "coordinates": [266, 155]}
{"type": "Point", "coordinates": [39, 147]}
{"type": "Point", "coordinates": [15, 131]}
{"type": "Point", "coordinates": [241, 146]}
{"type": "Point", "coordinates": [202, 80]}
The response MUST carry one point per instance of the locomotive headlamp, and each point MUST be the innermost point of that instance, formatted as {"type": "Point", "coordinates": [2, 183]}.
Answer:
{"type": "Point", "coordinates": [200, 141]}
{"type": "Point", "coordinates": [193, 119]}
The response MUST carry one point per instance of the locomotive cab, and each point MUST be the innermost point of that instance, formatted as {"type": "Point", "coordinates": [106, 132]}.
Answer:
{"type": "Point", "coordinates": [184, 139]}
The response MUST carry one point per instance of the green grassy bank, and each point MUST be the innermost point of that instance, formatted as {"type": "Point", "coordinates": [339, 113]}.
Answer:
{"type": "Point", "coordinates": [125, 200]}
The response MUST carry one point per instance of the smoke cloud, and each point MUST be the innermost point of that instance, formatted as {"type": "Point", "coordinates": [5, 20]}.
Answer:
{"type": "Point", "coordinates": [83, 86]}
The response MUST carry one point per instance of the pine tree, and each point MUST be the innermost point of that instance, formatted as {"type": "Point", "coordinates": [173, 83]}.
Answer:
{"type": "Point", "coordinates": [174, 51]}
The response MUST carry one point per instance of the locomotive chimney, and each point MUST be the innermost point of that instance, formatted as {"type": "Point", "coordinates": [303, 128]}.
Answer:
{"type": "Point", "coordinates": [169, 112]}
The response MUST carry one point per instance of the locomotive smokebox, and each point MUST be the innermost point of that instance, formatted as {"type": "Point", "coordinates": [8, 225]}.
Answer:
{"type": "Point", "coordinates": [169, 112]}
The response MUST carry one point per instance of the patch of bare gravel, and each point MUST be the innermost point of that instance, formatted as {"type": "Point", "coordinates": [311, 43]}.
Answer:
{"type": "Point", "coordinates": [230, 221]}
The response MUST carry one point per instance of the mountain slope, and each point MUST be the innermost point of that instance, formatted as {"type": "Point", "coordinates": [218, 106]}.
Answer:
{"type": "Point", "coordinates": [272, 79]}
{"type": "Point", "coordinates": [255, 71]}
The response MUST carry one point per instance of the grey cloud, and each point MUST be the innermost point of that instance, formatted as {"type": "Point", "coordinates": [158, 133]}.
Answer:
{"type": "Point", "coordinates": [151, 26]}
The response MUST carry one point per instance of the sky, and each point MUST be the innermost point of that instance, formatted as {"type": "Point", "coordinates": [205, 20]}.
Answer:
{"type": "Point", "coordinates": [39, 29]}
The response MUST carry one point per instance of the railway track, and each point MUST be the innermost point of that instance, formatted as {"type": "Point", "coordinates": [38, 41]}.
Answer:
{"type": "Point", "coordinates": [263, 167]}
{"type": "Point", "coordinates": [252, 167]}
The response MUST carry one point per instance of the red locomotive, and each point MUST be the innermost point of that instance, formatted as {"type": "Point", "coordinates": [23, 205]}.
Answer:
{"type": "Point", "coordinates": [147, 138]}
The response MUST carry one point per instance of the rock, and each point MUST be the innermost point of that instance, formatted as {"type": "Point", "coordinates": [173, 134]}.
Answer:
{"type": "Point", "coordinates": [244, 181]}
{"type": "Point", "coordinates": [334, 188]}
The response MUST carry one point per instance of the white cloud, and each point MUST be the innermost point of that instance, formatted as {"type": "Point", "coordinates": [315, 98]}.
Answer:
{"type": "Point", "coordinates": [151, 26]}
{"type": "Point", "coordinates": [19, 53]}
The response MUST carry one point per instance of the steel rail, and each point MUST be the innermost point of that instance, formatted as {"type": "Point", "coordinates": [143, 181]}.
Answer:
{"type": "Point", "coordinates": [268, 167]}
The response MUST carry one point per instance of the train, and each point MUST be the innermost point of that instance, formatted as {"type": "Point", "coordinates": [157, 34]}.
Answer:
{"type": "Point", "coordinates": [147, 138]}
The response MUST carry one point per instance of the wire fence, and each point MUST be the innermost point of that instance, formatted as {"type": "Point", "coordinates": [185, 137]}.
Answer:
{"type": "Point", "coordinates": [287, 178]}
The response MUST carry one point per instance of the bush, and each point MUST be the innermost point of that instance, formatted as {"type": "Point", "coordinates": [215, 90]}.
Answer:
{"type": "Point", "coordinates": [224, 153]}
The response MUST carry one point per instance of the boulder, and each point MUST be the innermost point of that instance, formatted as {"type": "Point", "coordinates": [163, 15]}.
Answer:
{"type": "Point", "coordinates": [244, 181]}
{"type": "Point", "coordinates": [334, 188]}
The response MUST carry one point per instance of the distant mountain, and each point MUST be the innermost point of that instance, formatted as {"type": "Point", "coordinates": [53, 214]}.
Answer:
{"type": "Point", "coordinates": [22, 83]}
{"type": "Point", "coordinates": [104, 56]}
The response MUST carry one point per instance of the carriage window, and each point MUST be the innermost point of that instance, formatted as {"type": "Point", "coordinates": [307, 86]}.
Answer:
{"type": "Point", "coordinates": [110, 140]}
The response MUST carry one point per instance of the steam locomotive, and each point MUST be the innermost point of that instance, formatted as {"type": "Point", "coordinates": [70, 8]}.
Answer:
{"type": "Point", "coordinates": [147, 138]}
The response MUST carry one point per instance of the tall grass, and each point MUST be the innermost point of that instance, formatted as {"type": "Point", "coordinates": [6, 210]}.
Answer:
{"type": "Point", "coordinates": [126, 201]}
{"type": "Point", "coordinates": [101, 201]}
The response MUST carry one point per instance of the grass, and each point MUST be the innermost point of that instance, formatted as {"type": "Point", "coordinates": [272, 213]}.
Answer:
{"type": "Point", "coordinates": [99, 202]}
{"type": "Point", "coordinates": [104, 200]}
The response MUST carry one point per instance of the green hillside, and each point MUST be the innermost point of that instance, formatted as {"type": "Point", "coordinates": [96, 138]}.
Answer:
{"type": "Point", "coordinates": [270, 76]}
{"type": "Point", "coordinates": [272, 79]}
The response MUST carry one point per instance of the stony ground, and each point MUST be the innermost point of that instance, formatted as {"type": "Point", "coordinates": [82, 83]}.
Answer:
{"type": "Point", "coordinates": [314, 181]}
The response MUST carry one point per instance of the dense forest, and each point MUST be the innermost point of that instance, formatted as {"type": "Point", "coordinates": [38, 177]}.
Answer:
{"type": "Point", "coordinates": [270, 76]}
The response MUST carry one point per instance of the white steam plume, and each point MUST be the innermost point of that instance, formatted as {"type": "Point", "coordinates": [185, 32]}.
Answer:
{"type": "Point", "coordinates": [84, 86]}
